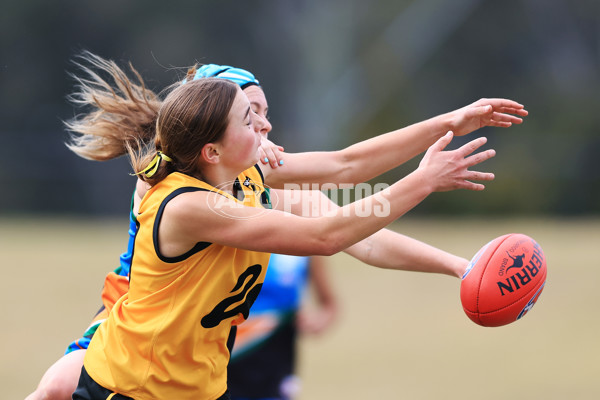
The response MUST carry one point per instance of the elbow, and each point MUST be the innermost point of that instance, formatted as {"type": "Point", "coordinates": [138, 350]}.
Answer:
{"type": "Point", "coordinates": [362, 251]}
{"type": "Point", "coordinates": [330, 245]}
{"type": "Point", "coordinates": [329, 250]}
{"type": "Point", "coordinates": [347, 170]}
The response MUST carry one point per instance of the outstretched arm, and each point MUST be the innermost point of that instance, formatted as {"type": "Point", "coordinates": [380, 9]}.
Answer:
{"type": "Point", "coordinates": [200, 216]}
{"type": "Point", "coordinates": [370, 158]}
{"type": "Point", "coordinates": [383, 249]}
{"type": "Point", "coordinates": [391, 250]}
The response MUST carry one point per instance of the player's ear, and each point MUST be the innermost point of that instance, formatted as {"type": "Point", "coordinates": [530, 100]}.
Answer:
{"type": "Point", "coordinates": [210, 153]}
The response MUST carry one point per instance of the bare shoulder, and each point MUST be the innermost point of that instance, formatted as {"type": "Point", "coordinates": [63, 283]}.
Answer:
{"type": "Point", "coordinates": [185, 219]}
{"type": "Point", "coordinates": [187, 205]}
{"type": "Point", "coordinates": [205, 216]}
{"type": "Point", "coordinates": [202, 207]}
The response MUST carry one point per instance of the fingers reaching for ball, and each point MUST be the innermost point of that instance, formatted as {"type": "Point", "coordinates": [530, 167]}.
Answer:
{"type": "Point", "coordinates": [449, 170]}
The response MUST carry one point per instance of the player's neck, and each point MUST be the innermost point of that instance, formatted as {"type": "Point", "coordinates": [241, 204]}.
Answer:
{"type": "Point", "coordinates": [219, 177]}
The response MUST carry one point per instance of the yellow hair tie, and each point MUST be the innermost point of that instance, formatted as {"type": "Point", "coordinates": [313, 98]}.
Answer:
{"type": "Point", "coordinates": [151, 169]}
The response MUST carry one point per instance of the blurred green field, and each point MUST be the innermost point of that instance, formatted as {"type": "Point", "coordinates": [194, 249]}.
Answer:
{"type": "Point", "coordinates": [400, 336]}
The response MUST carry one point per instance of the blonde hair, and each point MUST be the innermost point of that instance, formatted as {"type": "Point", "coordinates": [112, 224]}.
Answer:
{"type": "Point", "coordinates": [126, 117]}
{"type": "Point", "coordinates": [121, 113]}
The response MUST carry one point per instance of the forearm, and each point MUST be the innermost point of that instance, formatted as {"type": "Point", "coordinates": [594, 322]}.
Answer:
{"type": "Point", "coordinates": [321, 283]}
{"type": "Point", "coordinates": [360, 162]}
{"type": "Point", "coordinates": [438, 171]}
{"type": "Point", "coordinates": [354, 222]}
{"type": "Point", "coordinates": [385, 248]}
{"type": "Point", "coordinates": [372, 157]}
{"type": "Point", "coordinates": [391, 250]}
{"type": "Point", "coordinates": [341, 227]}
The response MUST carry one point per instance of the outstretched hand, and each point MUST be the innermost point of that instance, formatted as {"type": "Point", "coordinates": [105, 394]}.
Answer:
{"type": "Point", "coordinates": [501, 113]}
{"type": "Point", "coordinates": [449, 170]}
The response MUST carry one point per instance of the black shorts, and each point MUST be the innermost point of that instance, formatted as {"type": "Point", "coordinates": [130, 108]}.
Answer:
{"type": "Point", "coordinates": [88, 389]}
{"type": "Point", "coordinates": [260, 373]}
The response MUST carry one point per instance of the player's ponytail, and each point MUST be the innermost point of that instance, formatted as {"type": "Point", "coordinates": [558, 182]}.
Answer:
{"type": "Point", "coordinates": [120, 112]}
{"type": "Point", "coordinates": [127, 118]}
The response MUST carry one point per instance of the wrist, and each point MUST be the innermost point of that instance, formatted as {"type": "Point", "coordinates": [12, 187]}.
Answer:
{"type": "Point", "coordinates": [443, 124]}
{"type": "Point", "coordinates": [460, 266]}
{"type": "Point", "coordinates": [423, 181]}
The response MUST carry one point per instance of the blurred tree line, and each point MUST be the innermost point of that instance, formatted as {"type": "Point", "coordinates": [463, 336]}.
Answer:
{"type": "Point", "coordinates": [335, 72]}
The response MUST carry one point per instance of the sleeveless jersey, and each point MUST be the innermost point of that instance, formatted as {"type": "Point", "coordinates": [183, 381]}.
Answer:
{"type": "Point", "coordinates": [279, 300]}
{"type": "Point", "coordinates": [167, 337]}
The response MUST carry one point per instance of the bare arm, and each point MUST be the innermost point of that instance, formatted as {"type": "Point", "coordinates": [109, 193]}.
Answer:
{"type": "Point", "coordinates": [319, 278]}
{"type": "Point", "coordinates": [370, 158]}
{"type": "Point", "coordinates": [383, 249]}
{"type": "Point", "coordinates": [207, 217]}
{"type": "Point", "coordinates": [203, 217]}
{"type": "Point", "coordinates": [316, 321]}
{"type": "Point", "coordinates": [391, 250]}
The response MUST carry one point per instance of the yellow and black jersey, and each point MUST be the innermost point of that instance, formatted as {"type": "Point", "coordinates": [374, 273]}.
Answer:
{"type": "Point", "coordinates": [167, 338]}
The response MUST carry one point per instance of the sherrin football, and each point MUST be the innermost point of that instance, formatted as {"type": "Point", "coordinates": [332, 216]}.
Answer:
{"type": "Point", "coordinates": [503, 280]}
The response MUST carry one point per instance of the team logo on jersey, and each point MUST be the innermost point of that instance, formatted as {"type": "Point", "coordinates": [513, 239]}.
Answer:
{"type": "Point", "coordinates": [249, 194]}
{"type": "Point", "coordinates": [261, 192]}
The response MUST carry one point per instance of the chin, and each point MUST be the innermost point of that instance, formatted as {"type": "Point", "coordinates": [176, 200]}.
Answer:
{"type": "Point", "coordinates": [252, 162]}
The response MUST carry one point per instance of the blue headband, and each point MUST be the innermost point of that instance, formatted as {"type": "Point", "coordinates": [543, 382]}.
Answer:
{"type": "Point", "coordinates": [238, 76]}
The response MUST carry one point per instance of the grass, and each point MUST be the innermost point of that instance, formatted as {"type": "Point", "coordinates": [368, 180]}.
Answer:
{"type": "Point", "coordinates": [400, 334]}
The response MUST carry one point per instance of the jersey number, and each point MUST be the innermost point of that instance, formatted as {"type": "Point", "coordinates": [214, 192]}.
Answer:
{"type": "Point", "coordinates": [248, 294]}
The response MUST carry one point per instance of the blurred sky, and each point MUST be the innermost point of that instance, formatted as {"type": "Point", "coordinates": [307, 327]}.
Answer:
{"type": "Point", "coordinates": [334, 72]}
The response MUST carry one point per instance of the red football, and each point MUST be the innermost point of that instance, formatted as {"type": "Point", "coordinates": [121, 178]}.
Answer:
{"type": "Point", "coordinates": [503, 280]}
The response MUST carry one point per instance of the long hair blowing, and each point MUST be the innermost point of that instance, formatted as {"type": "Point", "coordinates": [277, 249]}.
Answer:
{"type": "Point", "coordinates": [120, 113]}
